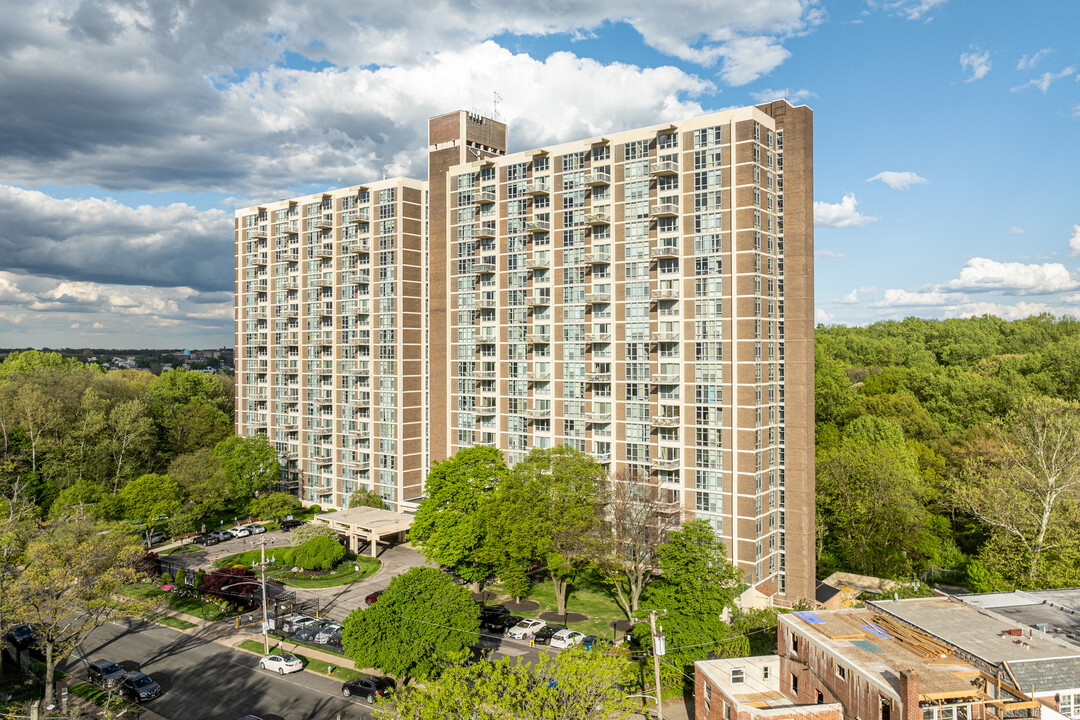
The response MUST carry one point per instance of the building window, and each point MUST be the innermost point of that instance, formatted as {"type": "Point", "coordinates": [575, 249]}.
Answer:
{"type": "Point", "coordinates": [708, 695]}
{"type": "Point", "coordinates": [794, 684]}
{"type": "Point", "coordinates": [766, 672]}
{"type": "Point", "coordinates": [737, 675]}
{"type": "Point", "coordinates": [1069, 704]}
{"type": "Point", "coordinates": [841, 672]}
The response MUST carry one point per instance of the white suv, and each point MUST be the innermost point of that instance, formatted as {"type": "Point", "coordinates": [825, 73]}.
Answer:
{"type": "Point", "coordinates": [526, 629]}
{"type": "Point", "coordinates": [566, 639]}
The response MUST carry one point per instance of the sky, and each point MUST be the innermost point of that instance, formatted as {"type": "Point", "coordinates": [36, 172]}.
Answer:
{"type": "Point", "coordinates": [946, 136]}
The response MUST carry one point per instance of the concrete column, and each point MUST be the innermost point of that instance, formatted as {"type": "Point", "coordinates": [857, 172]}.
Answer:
{"type": "Point", "coordinates": [373, 539]}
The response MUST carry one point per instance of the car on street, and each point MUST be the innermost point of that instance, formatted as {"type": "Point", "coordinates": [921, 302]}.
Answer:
{"type": "Point", "coordinates": [592, 641]}
{"type": "Point", "coordinates": [239, 532]}
{"type": "Point", "coordinates": [137, 686]}
{"type": "Point", "coordinates": [567, 639]}
{"type": "Point", "coordinates": [105, 673]}
{"type": "Point", "coordinates": [368, 687]}
{"type": "Point", "coordinates": [373, 597]}
{"type": "Point", "coordinates": [287, 525]}
{"type": "Point", "coordinates": [284, 663]}
{"type": "Point", "coordinates": [222, 535]}
{"type": "Point", "coordinates": [543, 635]}
{"type": "Point", "coordinates": [22, 636]}
{"type": "Point", "coordinates": [308, 632]}
{"type": "Point", "coordinates": [326, 633]}
{"type": "Point", "coordinates": [256, 529]}
{"type": "Point", "coordinates": [295, 622]}
{"type": "Point", "coordinates": [525, 629]}
{"type": "Point", "coordinates": [499, 624]}
{"type": "Point", "coordinates": [156, 538]}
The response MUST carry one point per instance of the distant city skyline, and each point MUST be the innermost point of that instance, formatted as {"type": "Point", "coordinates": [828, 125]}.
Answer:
{"type": "Point", "coordinates": [945, 137]}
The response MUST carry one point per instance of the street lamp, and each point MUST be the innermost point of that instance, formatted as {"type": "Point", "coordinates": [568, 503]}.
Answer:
{"type": "Point", "coordinates": [262, 584]}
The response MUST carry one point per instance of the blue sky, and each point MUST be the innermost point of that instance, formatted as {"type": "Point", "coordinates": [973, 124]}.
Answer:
{"type": "Point", "coordinates": [945, 136]}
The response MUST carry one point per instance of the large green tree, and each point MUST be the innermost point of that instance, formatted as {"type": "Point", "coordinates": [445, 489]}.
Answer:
{"type": "Point", "coordinates": [148, 497]}
{"type": "Point", "coordinates": [250, 465]}
{"type": "Point", "coordinates": [421, 623]}
{"type": "Point", "coordinates": [451, 526]}
{"type": "Point", "coordinates": [273, 505]}
{"type": "Point", "coordinates": [69, 585]}
{"type": "Point", "coordinates": [572, 685]}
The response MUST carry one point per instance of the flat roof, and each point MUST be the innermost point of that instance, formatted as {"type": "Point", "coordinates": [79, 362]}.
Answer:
{"type": "Point", "coordinates": [366, 519]}
{"type": "Point", "coordinates": [855, 637]}
{"type": "Point", "coordinates": [983, 633]}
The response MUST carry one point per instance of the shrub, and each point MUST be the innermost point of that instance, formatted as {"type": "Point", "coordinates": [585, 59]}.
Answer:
{"type": "Point", "coordinates": [199, 576]}
{"type": "Point", "coordinates": [311, 530]}
{"type": "Point", "coordinates": [166, 578]}
{"type": "Point", "coordinates": [316, 509]}
{"type": "Point", "coordinates": [181, 576]}
{"type": "Point", "coordinates": [319, 553]}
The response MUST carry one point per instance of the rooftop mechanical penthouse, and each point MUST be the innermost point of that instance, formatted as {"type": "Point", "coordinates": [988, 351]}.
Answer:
{"type": "Point", "coordinates": [645, 297]}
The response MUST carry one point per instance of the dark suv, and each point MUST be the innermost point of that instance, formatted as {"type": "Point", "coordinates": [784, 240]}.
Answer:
{"type": "Point", "coordinates": [287, 525]}
{"type": "Point", "coordinates": [139, 687]}
{"type": "Point", "coordinates": [368, 687]}
{"type": "Point", "coordinates": [105, 673]}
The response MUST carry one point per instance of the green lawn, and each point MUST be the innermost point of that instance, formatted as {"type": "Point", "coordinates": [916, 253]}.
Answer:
{"type": "Point", "coordinates": [188, 605]}
{"type": "Point", "coordinates": [181, 550]}
{"type": "Point", "coordinates": [343, 574]}
{"type": "Point", "coordinates": [589, 595]}
{"type": "Point", "coordinates": [314, 665]}
{"type": "Point", "coordinates": [99, 697]}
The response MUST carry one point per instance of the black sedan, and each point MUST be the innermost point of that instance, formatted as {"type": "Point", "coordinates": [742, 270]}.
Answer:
{"type": "Point", "coordinates": [544, 634]}
{"type": "Point", "coordinates": [22, 636]}
{"type": "Point", "coordinates": [368, 687]}
{"type": "Point", "coordinates": [205, 540]}
{"type": "Point", "coordinates": [499, 624]}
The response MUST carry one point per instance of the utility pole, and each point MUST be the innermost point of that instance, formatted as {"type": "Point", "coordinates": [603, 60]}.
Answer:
{"type": "Point", "coordinates": [659, 644]}
{"type": "Point", "coordinates": [265, 622]}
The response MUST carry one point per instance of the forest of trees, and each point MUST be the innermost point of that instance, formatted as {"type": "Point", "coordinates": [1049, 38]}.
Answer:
{"type": "Point", "coordinates": [951, 447]}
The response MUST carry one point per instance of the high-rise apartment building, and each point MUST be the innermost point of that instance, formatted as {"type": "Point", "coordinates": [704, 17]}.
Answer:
{"type": "Point", "coordinates": [645, 297]}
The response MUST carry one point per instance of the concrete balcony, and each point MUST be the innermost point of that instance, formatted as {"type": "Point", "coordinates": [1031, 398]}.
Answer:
{"type": "Point", "coordinates": [487, 410]}
{"type": "Point", "coordinates": [326, 280]}
{"type": "Point", "coordinates": [665, 337]}
{"type": "Point", "coordinates": [666, 294]}
{"type": "Point", "coordinates": [484, 374]}
{"type": "Point", "coordinates": [598, 298]}
{"type": "Point", "coordinates": [535, 301]}
{"type": "Point", "coordinates": [597, 337]}
{"type": "Point", "coordinates": [596, 377]}
{"type": "Point", "coordinates": [666, 379]}
{"type": "Point", "coordinates": [665, 420]}
{"type": "Point", "coordinates": [595, 417]}
{"type": "Point", "coordinates": [596, 258]}
{"type": "Point", "coordinates": [594, 179]}
{"type": "Point", "coordinates": [258, 259]}
{"type": "Point", "coordinates": [664, 167]}
{"type": "Point", "coordinates": [537, 376]}
{"type": "Point", "coordinates": [289, 313]}
{"type": "Point", "coordinates": [664, 251]}
{"type": "Point", "coordinates": [485, 197]}
{"type": "Point", "coordinates": [288, 285]}
{"type": "Point", "coordinates": [602, 458]}
{"type": "Point", "coordinates": [258, 233]}
{"type": "Point", "coordinates": [664, 210]}
{"type": "Point", "coordinates": [322, 252]}
{"type": "Point", "coordinates": [664, 464]}
{"type": "Point", "coordinates": [537, 226]}
{"type": "Point", "coordinates": [598, 218]}
{"type": "Point", "coordinates": [483, 267]}
{"type": "Point", "coordinates": [537, 264]}
{"type": "Point", "coordinates": [357, 246]}
{"type": "Point", "coordinates": [486, 303]}
{"type": "Point", "coordinates": [323, 222]}
{"type": "Point", "coordinates": [537, 413]}
{"type": "Point", "coordinates": [288, 256]}
{"type": "Point", "coordinates": [535, 338]}
{"type": "Point", "coordinates": [537, 188]}
{"type": "Point", "coordinates": [484, 230]}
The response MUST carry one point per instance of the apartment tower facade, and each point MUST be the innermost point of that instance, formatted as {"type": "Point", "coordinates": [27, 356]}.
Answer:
{"type": "Point", "coordinates": [645, 297]}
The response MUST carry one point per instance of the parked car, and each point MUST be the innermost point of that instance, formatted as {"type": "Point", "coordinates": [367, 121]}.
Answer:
{"type": "Point", "coordinates": [373, 597]}
{"type": "Point", "coordinates": [592, 641]}
{"type": "Point", "coordinates": [525, 629]}
{"type": "Point", "coordinates": [222, 535]}
{"type": "Point", "coordinates": [326, 633]}
{"type": "Point", "coordinates": [295, 622]}
{"type": "Point", "coordinates": [22, 636]}
{"type": "Point", "coordinates": [287, 525]}
{"type": "Point", "coordinates": [256, 529]}
{"type": "Point", "coordinates": [499, 624]}
{"type": "Point", "coordinates": [368, 687]}
{"type": "Point", "coordinates": [105, 673]}
{"type": "Point", "coordinates": [239, 532]}
{"type": "Point", "coordinates": [334, 642]}
{"type": "Point", "coordinates": [567, 639]}
{"type": "Point", "coordinates": [308, 632]}
{"type": "Point", "coordinates": [138, 686]}
{"type": "Point", "coordinates": [283, 662]}
{"type": "Point", "coordinates": [156, 538]}
{"type": "Point", "coordinates": [543, 635]}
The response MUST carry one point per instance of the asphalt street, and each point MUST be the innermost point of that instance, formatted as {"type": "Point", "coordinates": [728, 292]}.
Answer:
{"type": "Point", "coordinates": [205, 680]}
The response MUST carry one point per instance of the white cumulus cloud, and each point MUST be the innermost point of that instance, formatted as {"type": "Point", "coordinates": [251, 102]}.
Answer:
{"type": "Point", "coordinates": [1027, 63]}
{"type": "Point", "coordinates": [1011, 278]}
{"type": "Point", "coordinates": [840, 215]}
{"type": "Point", "coordinates": [1074, 241]}
{"type": "Point", "coordinates": [1014, 230]}
{"type": "Point", "coordinates": [911, 9]}
{"type": "Point", "coordinates": [899, 180]}
{"type": "Point", "coordinates": [976, 64]}
{"type": "Point", "coordinates": [894, 297]}
{"type": "Point", "coordinates": [1044, 81]}
{"type": "Point", "coordinates": [826, 254]}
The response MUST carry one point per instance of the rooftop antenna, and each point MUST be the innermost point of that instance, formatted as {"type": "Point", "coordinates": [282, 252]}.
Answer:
{"type": "Point", "coordinates": [495, 105]}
